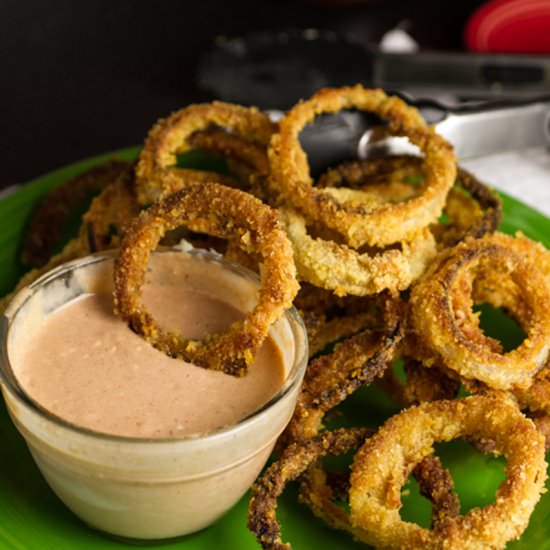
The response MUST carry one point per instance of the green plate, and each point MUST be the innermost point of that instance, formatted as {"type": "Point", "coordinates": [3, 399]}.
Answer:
{"type": "Point", "coordinates": [32, 518]}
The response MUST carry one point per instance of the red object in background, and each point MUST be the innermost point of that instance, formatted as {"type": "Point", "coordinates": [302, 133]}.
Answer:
{"type": "Point", "coordinates": [510, 26]}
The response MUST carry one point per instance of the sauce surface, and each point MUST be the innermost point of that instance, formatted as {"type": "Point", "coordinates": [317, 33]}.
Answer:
{"type": "Point", "coordinates": [86, 366]}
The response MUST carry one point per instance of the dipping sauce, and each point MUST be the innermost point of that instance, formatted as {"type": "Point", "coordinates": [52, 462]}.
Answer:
{"type": "Point", "coordinates": [69, 353]}
{"type": "Point", "coordinates": [86, 366]}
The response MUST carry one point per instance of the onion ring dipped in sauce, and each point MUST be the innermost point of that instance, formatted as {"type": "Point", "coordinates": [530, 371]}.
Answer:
{"type": "Point", "coordinates": [156, 171]}
{"type": "Point", "coordinates": [373, 225]}
{"type": "Point", "coordinates": [222, 212]}
{"type": "Point", "coordinates": [383, 463]}
{"type": "Point", "coordinates": [345, 270]}
{"type": "Point", "coordinates": [442, 320]}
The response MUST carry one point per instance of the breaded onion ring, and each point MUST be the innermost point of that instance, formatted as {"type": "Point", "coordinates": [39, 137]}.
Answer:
{"type": "Point", "coordinates": [111, 212]}
{"type": "Point", "coordinates": [329, 318]}
{"type": "Point", "coordinates": [156, 172]}
{"type": "Point", "coordinates": [383, 463]}
{"type": "Point", "coordinates": [353, 363]}
{"type": "Point", "coordinates": [318, 491]}
{"type": "Point", "coordinates": [375, 226]}
{"type": "Point", "coordinates": [346, 271]}
{"type": "Point", "coordinates": [221, 212]}
{"type": "Point", "coordinates": [422, 384]}
{"type": "Point", "coordinates": [443, 322]}
{"type": "Point", "coordinates": [56, 208]}
{"type": "Point", "coordinates": [295, 460]}
{"type": "Point", "coordinates": [472, 209]}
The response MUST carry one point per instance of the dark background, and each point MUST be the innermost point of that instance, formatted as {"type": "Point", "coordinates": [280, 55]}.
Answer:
{"type": "Point", "coordinates": [81, 78]}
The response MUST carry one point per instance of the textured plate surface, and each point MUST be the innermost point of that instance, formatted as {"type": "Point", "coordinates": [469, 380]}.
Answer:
{"type": "Point", "coordinates": [32, 518]}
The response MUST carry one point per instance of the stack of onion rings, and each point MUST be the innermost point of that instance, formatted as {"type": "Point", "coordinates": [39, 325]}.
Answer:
{"type": "Point", "coordinates": [359, 226]}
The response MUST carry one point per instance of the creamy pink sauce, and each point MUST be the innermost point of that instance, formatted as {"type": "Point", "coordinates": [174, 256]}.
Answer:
{"type": "Point", "coordinates": [86, 366]}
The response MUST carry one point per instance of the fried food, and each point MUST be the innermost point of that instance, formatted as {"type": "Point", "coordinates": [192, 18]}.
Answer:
{"type": "Point", "coordinates": [222, 212]}
{"type": "Point", "coordinates": [55, 210]}
{"type": "Point", "coordinates": [383, 463]}
{"type": "Point", "coordinates": [472, 210]}
{"type": "Point", "coordinates": [442, 319]}
{"type": "Point", "coordinates": [344, 270]}
{"type": "Point", "coordinates": [156, 172]}
{"type": "Point", "coordinates": [320, 493]}
{"type": "Point", "coordinates": [353, 363]}
{"type": "Point", "coordinates": [296, 458]}
{"type": "Point", "coordinates": [376, 226]}
{"type": "Point", "coordinates": [111, 212]}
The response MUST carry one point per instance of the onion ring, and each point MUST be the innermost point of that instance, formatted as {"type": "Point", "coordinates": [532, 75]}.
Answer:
{"type": "Point", "coordinates": [383, 463]}
{"type": "Point", "coordinates": [353, 363]}
{"type": "Point", "coordinates": [111, 212]}
{"type": "Point", "coordinates": [346, 271]}
{"type": "Point", "coordinates": [156, 172]}
{"type": "Point", "coordinates": [471, 208]}
{"type": "Point", "coordinates": [295, 459]}
{"type": "Point", "coordinates": [55, 209]}
{"type": "Point", "coordinates": [442, 319]}
{"type": "Point", "coordinates": [359, 226]}
{"type": "Point", "coordinates": [222, 212]}
{"type": "Point", "coordinates": [318, 491]}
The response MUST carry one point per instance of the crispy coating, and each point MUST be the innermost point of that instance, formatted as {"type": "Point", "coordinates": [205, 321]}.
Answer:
{"type": "Point", "coordinates": [156, 172]}
{"type": "Point", "coordinates": [329, 318]}
{"type": "Point", "coordinates": [296, 458]}
{"type": "Point", "coordinates": [247, 159]}
{"type": "Point", "coordinates": [344, 270]}
{"type": "Point", "coordinates": [472, 209]}
{"type": "Point", "coordinates": [422, 383]}
{"type": "Point", "coordinates": [111, 212]}
{"type": "Point", "coordinates": [353, 363]}
{"type": "Point", "coordinates": [222, 212]}
{"type": "Point", "coordinates": [383, 463]}
{"type": "Point", "coordinates": [442, 320]}
{"type": "Point", "coordinates": [320, 489]}
{"type": "Point", "coordinates": [56, 208]}
{"type": "Point", "coordinates": [375, 226]}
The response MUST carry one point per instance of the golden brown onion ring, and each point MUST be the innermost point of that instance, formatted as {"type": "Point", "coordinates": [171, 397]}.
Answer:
{"type": "Point", "coordinates": [344, 270]}
{"type": "Point", "coordinates": [319, 492]}
{"type": "Point", "coordinates": [353, 363]}
{"type": "Point", "coordinates": [111, 212]}
{"type": "Point", "coordinates": [383, 463]}
{"type": "Point", "coordinates": [376, 226]}
{"type": "Point", "coordinates": [222, 212]}
{"type": "Point", "coordinates": [296, 458]}
{"type": "Point", "coordinates": [472, 209]}
{"type": "Point", "coordinates": [156, 172]}
{"type": "Point", "coordinates": [443, 322]}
